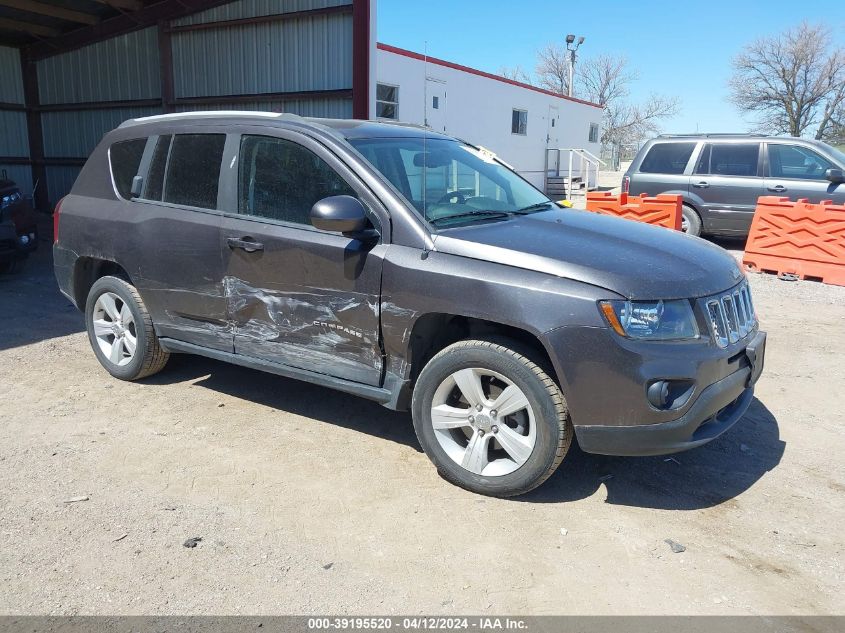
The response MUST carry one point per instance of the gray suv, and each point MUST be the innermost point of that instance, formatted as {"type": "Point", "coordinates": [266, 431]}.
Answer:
{"type": "Point", "coordinates": [412, 269]}
{"type": "Point", "coordinates": [720, 176]}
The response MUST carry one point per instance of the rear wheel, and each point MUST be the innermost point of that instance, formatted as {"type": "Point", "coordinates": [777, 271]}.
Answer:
{"type": "Point", "coordinates": [121, 331]}
{"type": "Point", "coordinates": [690, 222]}
{"type": "Point", "coordinates": [490, 418]}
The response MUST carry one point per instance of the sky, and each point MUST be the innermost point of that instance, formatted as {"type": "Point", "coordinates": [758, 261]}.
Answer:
{"type": "Point", "coordinates": [679, 48]}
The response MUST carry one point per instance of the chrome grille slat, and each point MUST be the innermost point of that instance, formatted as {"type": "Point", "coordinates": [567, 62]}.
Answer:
{"type": "Point", "coordinates": [731, 315]}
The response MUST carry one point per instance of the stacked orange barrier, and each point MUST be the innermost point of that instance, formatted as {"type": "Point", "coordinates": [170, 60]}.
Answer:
{"type": "Point", "coordinates": [798, 238]}
{"type": "Point", "coordinates": [663, 210]}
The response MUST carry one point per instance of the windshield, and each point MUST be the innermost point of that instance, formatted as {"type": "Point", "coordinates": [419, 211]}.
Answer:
{"type": "Point", "coordinates": [449, 182]}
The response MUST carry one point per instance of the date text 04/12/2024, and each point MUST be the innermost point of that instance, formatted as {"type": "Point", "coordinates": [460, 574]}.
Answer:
{"type": "Point", "coordinates": [417, 623]}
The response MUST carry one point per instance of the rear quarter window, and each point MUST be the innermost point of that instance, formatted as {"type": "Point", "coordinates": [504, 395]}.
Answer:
{"type": "Point", "coordinates": [667, 158]}
{"type": "Point", "coordinates": [125, 158]}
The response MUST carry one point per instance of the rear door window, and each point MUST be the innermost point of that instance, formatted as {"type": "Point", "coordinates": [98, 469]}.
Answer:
{"type": "Point", "coordinates": [729, 159]}
{"type": "Point", "coordinates": [193, 170]}
{"type": "Point", "coordinates": [125, 158]}
{"type": "Point", "coordinates": [667, 158]}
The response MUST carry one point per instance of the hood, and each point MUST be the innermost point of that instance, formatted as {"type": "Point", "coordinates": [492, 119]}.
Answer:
{"type": "Point", "coordinates": [635, 260]}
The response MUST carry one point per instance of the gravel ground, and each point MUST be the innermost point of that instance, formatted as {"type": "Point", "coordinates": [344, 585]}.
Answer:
{"type": "Point", "coordinates": [310, 501]}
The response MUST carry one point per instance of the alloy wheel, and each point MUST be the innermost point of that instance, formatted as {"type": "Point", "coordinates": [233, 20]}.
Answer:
{"type": "Point", "coordinates": [483, 422]}
{"type": "Point", "coordinates": [114, 328]}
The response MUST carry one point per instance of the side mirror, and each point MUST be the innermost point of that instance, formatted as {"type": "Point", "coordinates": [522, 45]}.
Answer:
{"type": "Point", "coordinates": [340, 214]}
{"type": "Point", "coordinates": [835, 175]}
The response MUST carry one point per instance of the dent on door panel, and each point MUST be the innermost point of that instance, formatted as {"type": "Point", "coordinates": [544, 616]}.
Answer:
{"type": "Point", "coordinates": [312, 328]}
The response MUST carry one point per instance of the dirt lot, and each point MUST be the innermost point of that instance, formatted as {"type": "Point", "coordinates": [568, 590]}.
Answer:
{"type": "Point", "coordinates": [310, 501]}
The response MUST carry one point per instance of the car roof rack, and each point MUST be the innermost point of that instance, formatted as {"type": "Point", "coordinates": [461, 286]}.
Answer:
{"type": "Point", "coordinates": [713, 134]}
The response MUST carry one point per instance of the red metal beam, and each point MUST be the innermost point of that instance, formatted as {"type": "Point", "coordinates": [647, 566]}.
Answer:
{"type": "Point", "coordinates": [5, 105]}
{"type": "Point", "coordinates": [165, 55]}
{"type": "Point", "coordinates": [263, 19]}
{"type": "Point", "coordinates": [360, 59]}
{"type": "Point", "coordinates": [267, 96]}
{"type": "Point", "coordinates": [118, 25]}
{"type": "Point", "coordinates": [29, 72]}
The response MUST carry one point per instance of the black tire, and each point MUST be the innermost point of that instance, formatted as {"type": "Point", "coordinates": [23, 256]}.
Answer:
{"type": "Point", "coordinates": [149, 357]}
{"type": "Point", "coordinates": [553, 427]}
{"type": "Point", "coordinates": [692, 220]}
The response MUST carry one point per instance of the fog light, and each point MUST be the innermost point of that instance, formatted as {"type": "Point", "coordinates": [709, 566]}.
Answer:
{"type": "Point", "coordinates": [658, 394]}
{"type": "Point", "coordinates": [24, 239]}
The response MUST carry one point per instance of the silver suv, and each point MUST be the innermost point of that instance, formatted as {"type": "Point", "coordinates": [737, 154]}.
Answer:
{"type": "Point", "coordinates": [720, 176]}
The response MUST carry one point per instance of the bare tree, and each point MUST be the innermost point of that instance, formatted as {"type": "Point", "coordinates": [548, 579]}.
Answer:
{"type": "Point", "coordinates": [628, 124]}
{"type": "Point", "coordinates": [553, 68]}
{"type": "Point", "coordinates": [793, 82]}
{"type": "Point", "coordinates": [517, 73]}
{"type": "Point", "coordinates": [606, 80]}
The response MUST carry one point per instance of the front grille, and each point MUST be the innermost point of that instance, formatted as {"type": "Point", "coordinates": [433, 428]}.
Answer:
{"type": "Point", "coordinates": [731, 315]}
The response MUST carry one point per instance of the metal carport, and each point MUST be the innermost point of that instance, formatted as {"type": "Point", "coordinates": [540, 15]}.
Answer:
{"type": "Point", "coordinates": [73, 69]}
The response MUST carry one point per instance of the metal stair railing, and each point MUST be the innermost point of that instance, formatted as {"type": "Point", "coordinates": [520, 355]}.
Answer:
{"type": "Point", "coordinates": [587, 163]}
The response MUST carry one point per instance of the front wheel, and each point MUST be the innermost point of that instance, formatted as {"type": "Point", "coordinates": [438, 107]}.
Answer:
{"type": "Point", "coordinates": [490, 418]}
{"type": "Point", "coordinates": [121, 331]}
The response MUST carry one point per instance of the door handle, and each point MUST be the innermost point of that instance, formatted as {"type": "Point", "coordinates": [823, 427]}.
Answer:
{"type": "Point", "coordinates": [245, 243]}
{"type": "Point", "coordinates": [778, 189]}
{"type": "Point", "coordinates": [701, 185]}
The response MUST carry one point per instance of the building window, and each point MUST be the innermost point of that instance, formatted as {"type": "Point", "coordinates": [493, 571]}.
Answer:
{"type": "Point", "coordinates": [519, 122]}
{"type": "Point", "coordinates": [435, 102]}
{"type": "Point", "coordinates": [387, 101]}
{"type": "Point", "coordinates": [594, 133]}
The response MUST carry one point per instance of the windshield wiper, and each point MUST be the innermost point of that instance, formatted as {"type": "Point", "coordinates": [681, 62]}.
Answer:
{"type": "Point", "coordinates": [531, 208]}
{"type": "Point", "coordinates": [469, 214]}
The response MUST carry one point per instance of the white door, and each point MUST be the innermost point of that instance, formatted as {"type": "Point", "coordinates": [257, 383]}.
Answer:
{"type": "Point", "coordinates": [552, 135]}
{"type": "Point", "coordinates": [435, 105]}
{"type": "Point", "coordinates": [553, 140]}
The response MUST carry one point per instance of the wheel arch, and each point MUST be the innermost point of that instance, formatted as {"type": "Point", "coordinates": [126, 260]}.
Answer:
{"type": "Point", "coordinates": [87, 270]}
{"type": "Point", "coordinates": [434, 331]}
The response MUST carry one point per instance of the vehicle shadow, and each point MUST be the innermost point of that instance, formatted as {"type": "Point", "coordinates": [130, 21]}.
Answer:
{"type": "Point", "coordinates": [290, 395]}
{"type": "Point", "coordinates": [700, 478]}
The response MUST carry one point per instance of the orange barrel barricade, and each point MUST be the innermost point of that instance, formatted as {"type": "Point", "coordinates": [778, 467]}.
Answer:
{"type": "Point", "coordinates": [663, 210]}
{"type": "Point", "coordinates": [797, 238]}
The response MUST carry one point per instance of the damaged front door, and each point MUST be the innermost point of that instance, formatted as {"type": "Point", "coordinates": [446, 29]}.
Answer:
{"type": "Point", "coordinates": [296, 295]}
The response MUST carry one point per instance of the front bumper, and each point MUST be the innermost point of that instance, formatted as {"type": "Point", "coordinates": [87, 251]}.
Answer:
{"type": "Point", "coordinates": [606, 392]}
{"type": "Point", "coordinates": [12, 247]}
{"type": "Point", "coordinates": [717, 409]}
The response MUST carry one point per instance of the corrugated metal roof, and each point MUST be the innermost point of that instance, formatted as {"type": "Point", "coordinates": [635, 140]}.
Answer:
{"type": "Point", "coordinates": [121, 68]}
{"type": "Point", "coordinates": [74, 134]}
{"type": "Point", "coordinates": [13, 134]}
{"type": "Point", "coordinates": [308, 53]}
{"type": "Point", "coordinates": [11, 87]}
{"type": "Point", "coordinates": [323, 108]}
{"type": "Point", "coordinates": [255, 8]}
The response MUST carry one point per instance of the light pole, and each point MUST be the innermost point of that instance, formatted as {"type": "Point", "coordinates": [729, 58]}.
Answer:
{"type": "Point", "coordinates": [572, 46]}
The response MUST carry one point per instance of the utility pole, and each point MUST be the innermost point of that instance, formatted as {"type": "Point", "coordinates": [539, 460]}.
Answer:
{"type": "Point", "coordinates": [572, 46]}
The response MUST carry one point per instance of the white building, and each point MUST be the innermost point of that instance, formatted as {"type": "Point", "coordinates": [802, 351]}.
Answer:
{"type": "Point", "coordinates": [517, 121]}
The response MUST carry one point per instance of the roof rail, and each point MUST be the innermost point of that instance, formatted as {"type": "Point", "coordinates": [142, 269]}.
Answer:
{"type": "Point", "coordinates": [206, 113]}
{"type": "Point", "coordinates": [712, 134]}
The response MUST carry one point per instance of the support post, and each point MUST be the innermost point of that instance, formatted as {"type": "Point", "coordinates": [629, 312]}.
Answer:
{"type": "Point", "coordinates": [165, 54]}
{"type": "Point", "coordinates": [361, 59]}
{"type": "Point", "coordinates": [29, 73]}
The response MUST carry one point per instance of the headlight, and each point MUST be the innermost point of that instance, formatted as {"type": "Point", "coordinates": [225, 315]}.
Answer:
{"type": "Point", "coordinates": [651, 320]}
